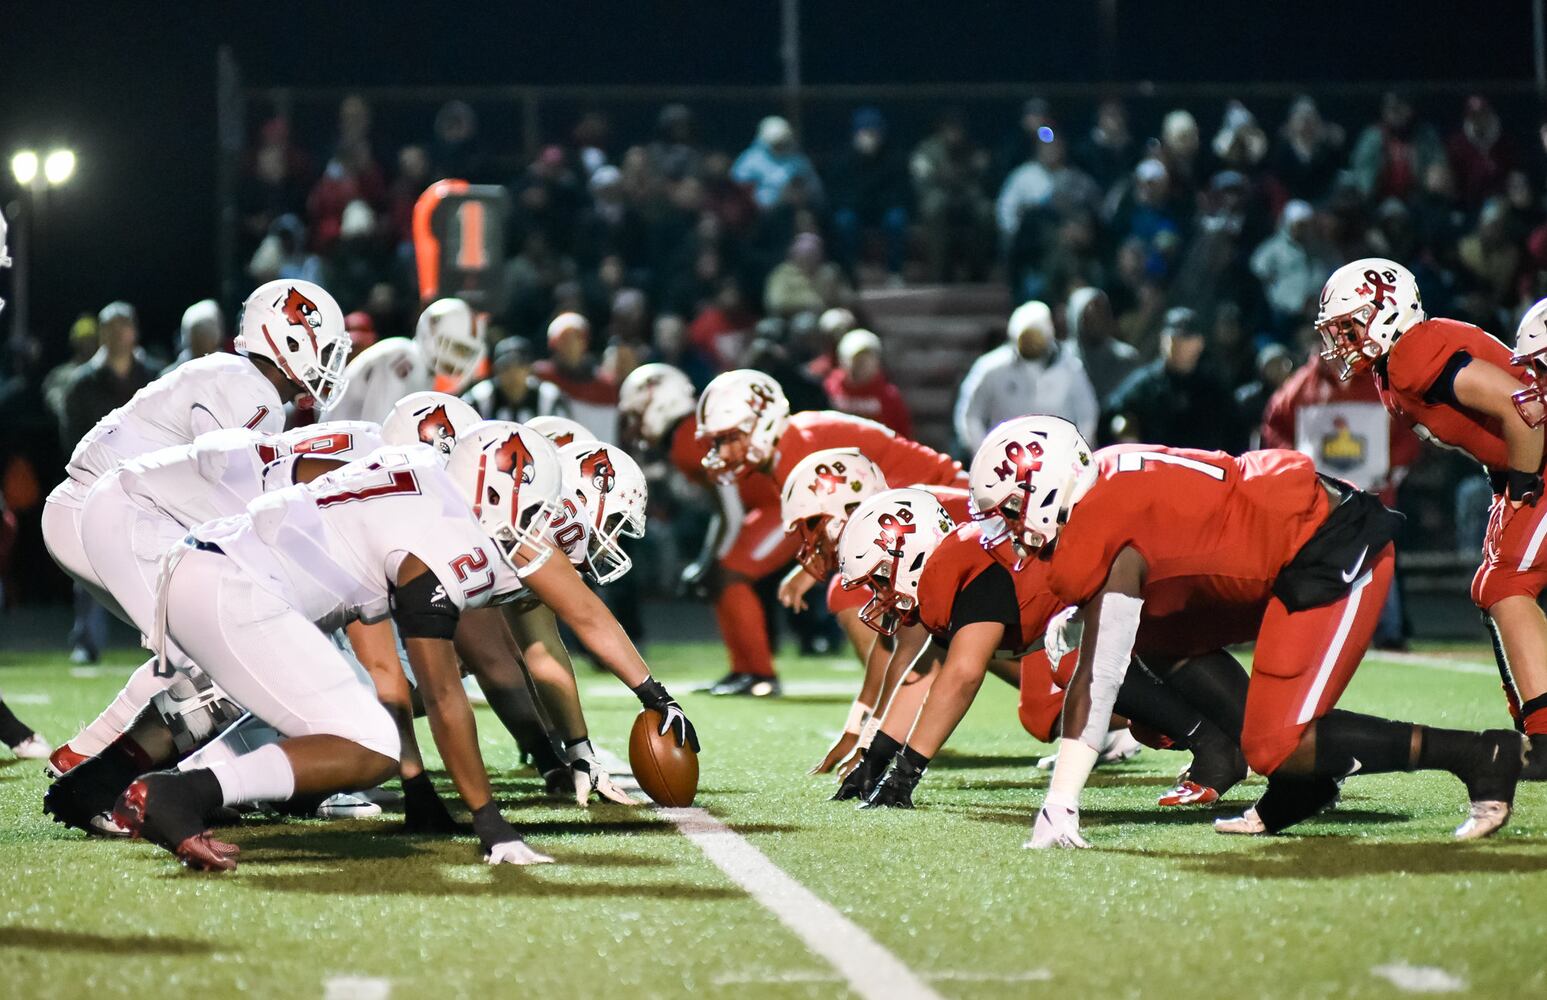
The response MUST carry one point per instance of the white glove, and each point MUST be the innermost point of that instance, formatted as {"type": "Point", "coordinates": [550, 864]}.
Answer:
{"type": "Point", "coordinates": [1056, 826]}
{"type": "Point", "coordinates": [515, 852]}
{"type": "Point", "coordinates": [590, 776]}
{"type": "Point", "coordinates": [1062, 635]}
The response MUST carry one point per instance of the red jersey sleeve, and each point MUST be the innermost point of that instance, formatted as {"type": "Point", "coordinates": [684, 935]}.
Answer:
{"type": "Point", "coordinates": [687, 452]}
{"type": "Point", "coordinates": [1414, 362]}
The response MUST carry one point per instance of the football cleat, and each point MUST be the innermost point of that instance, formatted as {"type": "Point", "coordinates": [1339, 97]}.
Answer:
{"type": "Point", "coordinates": [1246, 823]}
{"type": "Point", "coordinates": [70, 803]}
{"type": "Point", "coordinates": [1494, 765]}
{"type": "Point", "coordinates": [1119, 746]}
{"type": "Point", "coordinates": [33, 747]}
{"type": "Point", "coordinates": [1187, 792]}
{"type": "Point", "coordinates": [168, 824]}
{"type": "Point", "coordinates": [747, 685]}
{"type": "Point", "coordinates": [347, 805]}
{"type": "Point", "coordinates": [1536, 759]}
{"type": "Point", "coordinates": [63, 760]}
{"type": "Point", "coordinates": [1483, 819]}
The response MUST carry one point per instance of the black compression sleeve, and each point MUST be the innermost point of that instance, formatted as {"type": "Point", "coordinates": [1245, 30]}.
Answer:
{"type": "Point", "coordinates": [422, 609]}
{"type": "Point", "coordinates": [1443, 388]}
{"type": "Point", "coordinates": [990, 597]}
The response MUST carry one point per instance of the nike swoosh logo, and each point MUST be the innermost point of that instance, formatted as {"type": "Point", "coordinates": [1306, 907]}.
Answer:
{"type": "Point", "coordinates": [1348, 577]}
{"type": "Point", "coordinates": [1355, 768]}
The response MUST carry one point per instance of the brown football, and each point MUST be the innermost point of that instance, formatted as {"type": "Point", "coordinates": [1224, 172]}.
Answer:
{"type": "Point", "coordinates": [668, 773]}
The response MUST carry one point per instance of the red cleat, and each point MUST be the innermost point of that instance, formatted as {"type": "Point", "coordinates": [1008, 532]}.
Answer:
{"type": "Point", "coordinates": [63, 760]}
{"type": "Point", "coordinates": [199, 851]}
{"type": "Point", "coordinates": [1188, 793]}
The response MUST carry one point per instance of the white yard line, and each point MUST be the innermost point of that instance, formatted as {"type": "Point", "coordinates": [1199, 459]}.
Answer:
{"type": "Point", "coordinates": [1419, 978]}
{"type": "Point", "coordinates": [347, 987]}
{"type": "Point", "coordinates": [869, 969]}
{"type": "Point", "coordinates": [1436, 663]}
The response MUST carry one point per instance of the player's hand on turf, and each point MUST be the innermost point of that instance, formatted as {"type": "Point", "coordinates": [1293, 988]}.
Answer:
{"type": "Point", "coordinates": [502, 845]}
{"type": "Point", "coordinates": [423, 809]}
{"type": "Point", "coordinates": [587, 775]}
{"type": "Point", "coordinates": [1056, 826]}
{"type": "Point", "coordinates": [515, 852]}
{"type": "Point", "coordinates": [653, 694]}
{"type": "Point", "coordinates": [841, 750]}
{"type": "Point", "coordinates": [794, 587]}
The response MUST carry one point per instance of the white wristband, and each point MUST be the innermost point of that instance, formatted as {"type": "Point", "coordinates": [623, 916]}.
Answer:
{"type": "Point", "coordinates": [1076, 758]}
{"type": "Point", "coordinates": [858, 713]}
{"type": "Point", "coordinates": [868, 733]}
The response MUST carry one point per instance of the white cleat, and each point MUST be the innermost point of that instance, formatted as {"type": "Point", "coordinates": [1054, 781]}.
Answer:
{"type": "Point", "coordinates": [33, 747]}
{"type": "Point", "coordinates": [1119, 746]}
{"type": "Point", "coordinates": [348, 805]}
{"type": "Point", "coordinates": [1246, 823]}
{"type": "Point", "coordinates": [1485, 818]}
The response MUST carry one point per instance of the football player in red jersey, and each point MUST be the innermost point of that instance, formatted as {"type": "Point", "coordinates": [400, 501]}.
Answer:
{"type": "Point", "coordinates": [1462, 388]}
{"type": "Point", "coordinates": [746, 539]}
{"type": "Point", "coordinates": [744, 423]}
{"type": "Point", "coordinates": [1217, 550]}
{"type": "Point", "coordinates": [925, 570]}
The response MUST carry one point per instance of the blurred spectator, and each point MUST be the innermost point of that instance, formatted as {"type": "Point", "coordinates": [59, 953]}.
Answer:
{"type": "Point", "coordinates": [722, 329]}
{"type": "Point", "coordinates": [83, 345]}
{"type": "Point", "coordinates": [673, 347]}
{"type": "Point", "coordinates": [629, 318]}
{"type": "Point", "coordinates": [674, 154]}
{"type": "Point", "coordinates": [1108, 152]}
{"type": "Point", "coordinates": [413, 176]}
{"type": "Point", "coordinates": [1181, 148]}
{"type": "Point", "coordinates": [274, 181]}
{"type": "Point", "coordinates": [869, 191]}
{"type": "Point", "coordinates": [949, 176]}
{"type": "Point", "coordinates": [772, 160]}
{"type": "Point", "coordinates": [1144, 211]}
{"type": "Point", "coordinates": [362, 331]}
{"type": "Point", "coordinates": [358, 258]}
{"type": "Point", "coordinates": [1274, 365]}
{"type": "Point", "coordinates": [547, 198]}
{"type": "Point", "coordinates": [591, 397]}
{"type": "Point", "coordinates": [769, 352]}
{"type": "Point", "coordinates": [859, 384]}
{"type": "Point", "coordinates": [203, 331]}
{"type": "Point", "coordinates": [1038, 195]}
{"type": "Point", "coordinates": [1480, 153]}
{"type": "Point", "coordinates": [1216, 265]}
{"type": "Point", "coordinates": [729, 200]}
{"type": "Point", "coordinates": [454, 151]}
{"type": "Point", "coordinates": [1491, 254]}
{"type": "Point", "coordinates": [1392, 155]}
{"type": "Point", "coordinates": [283, 254]}
{"type": "Point", "coordinates": [1177, 400]}
{"type": "Point", "coordinates": [512, 391]}
{"type": "Point", "coordinates": [1030, 373]}
{"type": "Point", "coordinates": [590, 138]}
{"type": "Point", "coordinates": [609, 225]}
{"type": "Point", "coordinates": [351, 176]}
{"type": "Point", "coordinates": [114, 374]}
{"type": "Point", "coordinates": [1308, 153]}
{"type": "Point", "coordinates": [806, 281]}
{"type": "Point", "coordinates": [1092, 338]}
{"type": "Point", "coordinates": [1020, 146]}
{"type": "Point", "coordinates": [1292, 266]}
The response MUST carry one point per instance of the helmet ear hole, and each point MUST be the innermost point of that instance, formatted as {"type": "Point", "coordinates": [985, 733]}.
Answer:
{"type": "Point", "coordinates": [492, 496]}
{"type": "Point", "coordinates": [292, 343]}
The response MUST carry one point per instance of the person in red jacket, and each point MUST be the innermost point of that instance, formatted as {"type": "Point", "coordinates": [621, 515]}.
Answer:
{"type": "Point", "coordinates": [1460, 387]}
{"type": "Point", "coordinates": [859, 384]}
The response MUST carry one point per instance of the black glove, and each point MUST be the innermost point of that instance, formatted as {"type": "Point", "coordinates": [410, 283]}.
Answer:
{"type": "Point", "coordinates": [423, 809]}
{"type": "Point", "coordinates": [652, 694]}
{"type": "Point", "coordinates": [502, 845]}
{"type": "Point", "coordinates": [857, 784]}
{"type": "Point", "coordinates": [696, 580]}
{"type": "Point", "coordinates": [895, 789]}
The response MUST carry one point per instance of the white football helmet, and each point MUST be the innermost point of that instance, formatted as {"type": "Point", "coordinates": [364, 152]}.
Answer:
{"type": "Point", "coordinates": [742, 414]}
{"type": "Point", "coordinates": [1531, 353]}
{"type": "Point", "coordinates": [562, 431]}
{"type": "Point", "coordinates": [449, 337]}
{"type": "Point", "coordinates": [650, 401]}
{"type": "Point", "coordinates": [433, 418]}
{"type": "Point", "coordinates": [511, 476]}
{"type": "Point", "coordinates": [297, 325]}
{"type": "Point", "coordinates": [821, 492]}
{"type": "Point", "coordinates": [610, 488]}
{"type": "Point", "coordinates": [1026, 477]}
{"type": "Point", "coordinates": [884, 547]}
{"type": "Point", "coordinates": [1365, 306]}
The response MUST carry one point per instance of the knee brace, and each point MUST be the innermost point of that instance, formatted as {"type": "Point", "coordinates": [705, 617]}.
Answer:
{"type": "Point", "coordinates": [194, 709]}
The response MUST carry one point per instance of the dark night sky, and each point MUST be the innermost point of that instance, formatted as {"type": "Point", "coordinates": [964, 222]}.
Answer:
{"type": "Point", "coordinates": [131, 86]}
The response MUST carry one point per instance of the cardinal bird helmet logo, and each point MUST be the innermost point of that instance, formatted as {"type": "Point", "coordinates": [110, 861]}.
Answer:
{"type": "Point", "coordinates": [597, 468]}
{"type": "Point", "coordinates": [435, 427]}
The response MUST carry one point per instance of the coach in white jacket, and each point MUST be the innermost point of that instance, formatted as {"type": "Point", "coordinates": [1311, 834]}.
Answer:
{"type": "Point", "coordinates": [1032, 373]}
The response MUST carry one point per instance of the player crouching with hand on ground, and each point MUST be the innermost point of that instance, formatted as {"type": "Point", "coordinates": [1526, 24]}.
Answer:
{"type": "Point", "coordinates": [1230, 548]}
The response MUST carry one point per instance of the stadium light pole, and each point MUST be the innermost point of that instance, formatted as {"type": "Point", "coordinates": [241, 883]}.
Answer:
{"type": "Point", "coordinates": [34, 174]}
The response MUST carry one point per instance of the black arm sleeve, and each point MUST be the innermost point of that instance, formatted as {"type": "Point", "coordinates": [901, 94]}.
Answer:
{"type": "Point", "coordinates": [990, 597]}
{"type": "Point", "coordinates": [422, 610]}
{"type": "Point", "coordinates": [1443, 389]}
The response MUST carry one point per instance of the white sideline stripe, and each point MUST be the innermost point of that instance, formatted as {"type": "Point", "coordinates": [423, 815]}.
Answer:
{"type": "Point", "coordinates": [1437, 663]}
{"type": "Point", "coordinates": [1324, 672]}
{"type": "Point", "coordinates": [29, 698]}
{"type": "Point", "coordinates": [1419, 978]}
{"type": "Point", "coordinates": [869, 969]}
{"type": "Point", "coordinates": [345, 987]}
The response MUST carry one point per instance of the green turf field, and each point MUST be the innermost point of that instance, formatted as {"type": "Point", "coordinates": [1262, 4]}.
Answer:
{"type": "Point", "coordinates": [1164, 906]}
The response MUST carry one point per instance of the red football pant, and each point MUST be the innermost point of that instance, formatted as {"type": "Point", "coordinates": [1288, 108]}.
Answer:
{"type": "Point", "coordinates": [760, 547]}
{"type": "Point", "coordinates": [1304, 661]}
{"type": "Point", "coordinates": [1514, 554]}
{"type": "Point", "coordinates": [1042, 692]}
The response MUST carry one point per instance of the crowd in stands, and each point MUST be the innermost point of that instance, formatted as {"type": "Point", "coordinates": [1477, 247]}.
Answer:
{"type": "Point", "coordinates": [1168, 281]}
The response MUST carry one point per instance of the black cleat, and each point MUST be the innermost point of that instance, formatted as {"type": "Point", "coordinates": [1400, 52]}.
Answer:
{"type": "Point", "coordinates": [1536, 759]}
{"type": "Point", "coordinates": [746, 685]}
{"type": "Point", "coordinates": [1493, 766]}
{"type": "Point", "coordinates": [77, 802]}
{"type": "Point", "coordinates": [861, 781]}
{"type": "Point", "coordinates": [895, 789]}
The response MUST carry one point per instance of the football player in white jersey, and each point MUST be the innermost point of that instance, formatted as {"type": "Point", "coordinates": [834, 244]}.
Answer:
{"type": "Point", "coordinates": [291, 340]}
{"type": "Point", "coordinates": [394, 535]}
{"type": "Point", "coordinates": [445, 352]}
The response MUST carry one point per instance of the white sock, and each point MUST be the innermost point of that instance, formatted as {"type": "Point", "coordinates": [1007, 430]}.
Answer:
{"type": "Point", "coordinates": [265, 775]}
{"type": "Point", "coordinates": [142, 686]}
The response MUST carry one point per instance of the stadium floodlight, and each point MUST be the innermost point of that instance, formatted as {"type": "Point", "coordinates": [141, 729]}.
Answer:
{"type": "Point", "coordinates": [24, 167]}
{"type": "Point", "coordinates": [59, 167]}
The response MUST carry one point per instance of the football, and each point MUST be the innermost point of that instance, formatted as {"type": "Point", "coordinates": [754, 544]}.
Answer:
{"type": "Point", "coordinates": [668, 773]}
